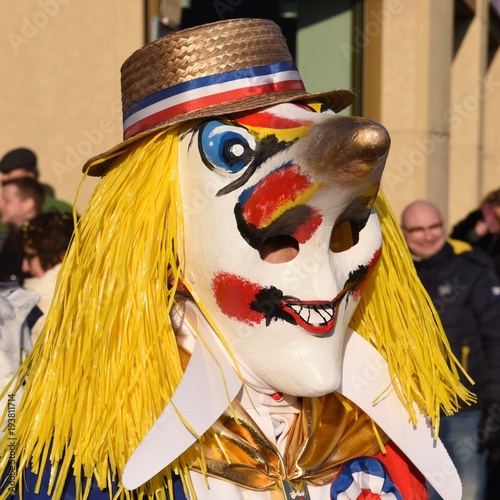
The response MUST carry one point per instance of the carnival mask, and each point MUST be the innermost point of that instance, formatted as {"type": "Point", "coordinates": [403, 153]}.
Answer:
{"type": "Point", "coordinates": [280, 235]}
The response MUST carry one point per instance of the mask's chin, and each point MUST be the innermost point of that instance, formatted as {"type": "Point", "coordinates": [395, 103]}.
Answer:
{"type": "Point", "coordinates": [285, 358]}
{"type": "Point", "coordinates": [280, 355]}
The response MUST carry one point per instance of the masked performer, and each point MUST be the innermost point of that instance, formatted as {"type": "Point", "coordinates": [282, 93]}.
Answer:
{"type": "Point", "coordinates": [202, 343]}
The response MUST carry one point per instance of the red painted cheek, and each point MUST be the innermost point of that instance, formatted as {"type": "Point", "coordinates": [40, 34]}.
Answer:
{"type": "Point", "coordinates": [234, 296]}
{"type": "Point", "coordinates": [278, 191]}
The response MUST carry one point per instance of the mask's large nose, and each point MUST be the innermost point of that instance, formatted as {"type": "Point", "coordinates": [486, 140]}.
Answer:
{"type": "Point", "coordinates": [346, 150]}
{"type": "Point", "coordinates": [338, 154]}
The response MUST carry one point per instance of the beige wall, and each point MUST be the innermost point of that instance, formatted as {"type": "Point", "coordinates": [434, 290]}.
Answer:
{"type": "Point", "coordinates": [466, 152]}
{"type": "Point", "coordinates": [413, 84]}
{"type": "Point", "coordinates": [490, 91]}
{"type": "Point", "coordinates": [441, 109]}
{"type": "Point", "coordinates": [60, 81]}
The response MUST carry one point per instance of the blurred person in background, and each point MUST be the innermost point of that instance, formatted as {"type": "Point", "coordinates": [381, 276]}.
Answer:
{"type": "Point", "coordinates": [17, 312]}
{"type": "Point", "coordinates": [481, 228]}
{"type": "Point", "coordinates": [45, 240]}
{"type": "Point", "coordinates": [466, 294]}
{"type": "Point", "coordinates": [20, 200]}
{"type": "Point", "coordinates": [22, 162]}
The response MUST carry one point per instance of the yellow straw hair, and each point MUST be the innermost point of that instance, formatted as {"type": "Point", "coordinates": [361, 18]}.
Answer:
{"type": "Point", "coordinates": [107, 361]}
{"type": "Point", "coordinates": [397, 316]}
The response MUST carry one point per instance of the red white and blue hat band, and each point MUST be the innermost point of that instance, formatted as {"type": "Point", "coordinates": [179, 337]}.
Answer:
{"type": "Point", "coordinates": [207, 91]}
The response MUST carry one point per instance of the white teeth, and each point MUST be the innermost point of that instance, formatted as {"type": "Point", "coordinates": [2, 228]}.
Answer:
{"type": "Point", "coordinates": [314, 314]}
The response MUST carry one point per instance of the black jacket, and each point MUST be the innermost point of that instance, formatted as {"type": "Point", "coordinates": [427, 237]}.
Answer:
{"type": "Point", "coordinates": [466, 293]}
{"type": "Point", "coordinates": [11, 258]}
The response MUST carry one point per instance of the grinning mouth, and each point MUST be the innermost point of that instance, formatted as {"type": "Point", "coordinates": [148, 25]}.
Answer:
{"type": "Point", "coordinates": [315, 317]}
{"type": "Point", "coordinates": [318, 318]}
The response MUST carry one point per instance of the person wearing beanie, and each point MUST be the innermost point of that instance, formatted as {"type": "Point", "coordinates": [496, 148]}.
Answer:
{"type": "Point", "coordinates": [22, 162]}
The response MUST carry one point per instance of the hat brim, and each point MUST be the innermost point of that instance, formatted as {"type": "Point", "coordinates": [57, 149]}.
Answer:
{"type": "Point", "coordinates": [337, 100]}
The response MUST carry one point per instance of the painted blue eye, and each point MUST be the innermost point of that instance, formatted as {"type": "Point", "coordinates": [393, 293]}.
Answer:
{"type": "Point", "coordinates": [226, 147]}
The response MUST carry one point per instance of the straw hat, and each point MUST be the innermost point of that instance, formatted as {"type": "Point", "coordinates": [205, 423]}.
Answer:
{"type": "Point", "coordinates": [205, 71]}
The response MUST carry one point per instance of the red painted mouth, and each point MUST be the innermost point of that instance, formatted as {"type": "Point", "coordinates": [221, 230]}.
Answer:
{"type": "Point", "coordinates": [317, 318]}
{"type": "Point", "coordinates": [249, 303]}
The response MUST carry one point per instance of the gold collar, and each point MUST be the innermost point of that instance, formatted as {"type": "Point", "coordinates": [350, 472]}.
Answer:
{"type": "Point", "coordinates": [328, 431]}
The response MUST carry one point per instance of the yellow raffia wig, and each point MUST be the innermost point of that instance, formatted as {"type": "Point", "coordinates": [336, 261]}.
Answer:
{"type": "Point", "coordinates": [107, 362]}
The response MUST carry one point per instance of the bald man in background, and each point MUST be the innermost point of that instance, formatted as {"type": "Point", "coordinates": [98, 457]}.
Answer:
{"type": "Point", "coordinates": [466, 294]}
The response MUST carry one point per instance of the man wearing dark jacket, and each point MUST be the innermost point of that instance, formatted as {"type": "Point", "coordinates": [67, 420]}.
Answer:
{"type": "Point", "coordinates": [466, 294]}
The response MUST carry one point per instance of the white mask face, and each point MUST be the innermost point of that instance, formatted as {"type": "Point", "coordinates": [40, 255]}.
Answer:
{"type": "Point", "coordinates": [280, 235]}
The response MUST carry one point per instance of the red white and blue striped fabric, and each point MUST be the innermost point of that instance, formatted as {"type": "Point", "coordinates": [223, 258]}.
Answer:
{"type": "Point", "coordinates": [362, 479]}
{"type": "Point", "coordinates": [209, 90]}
